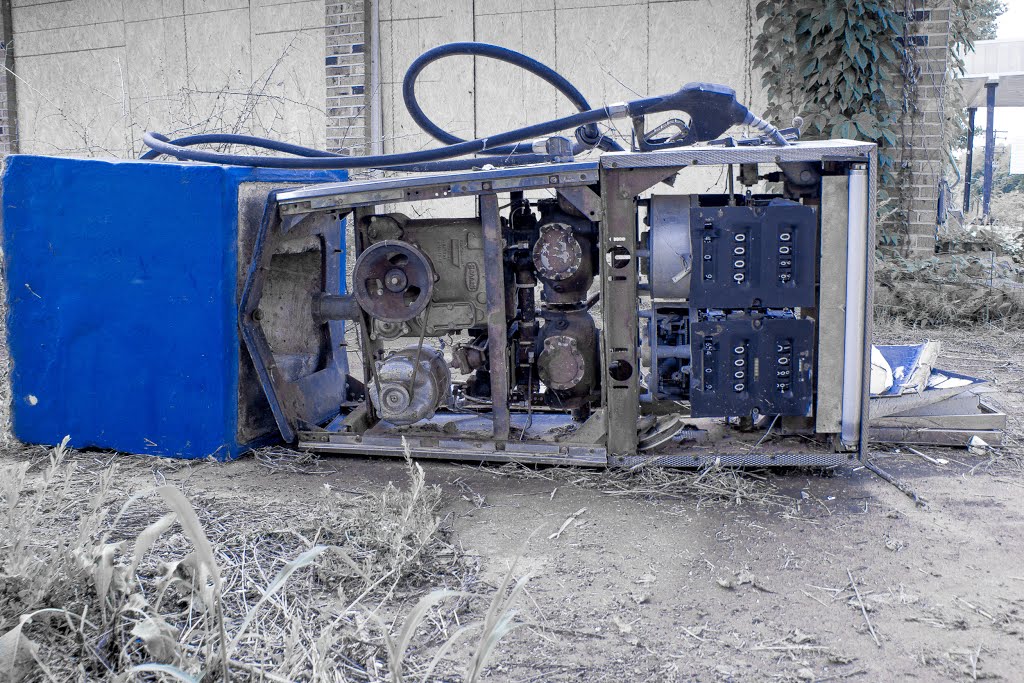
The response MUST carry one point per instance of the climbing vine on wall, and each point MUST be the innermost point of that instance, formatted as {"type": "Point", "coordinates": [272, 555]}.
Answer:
{"type": "Point", "coordinates": [837, 64]}
{"type": "Point", "coordinates": [849, 68]}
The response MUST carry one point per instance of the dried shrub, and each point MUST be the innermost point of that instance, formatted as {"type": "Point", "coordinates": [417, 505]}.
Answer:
{"type": "Point", "coordinates": [959, 290]}
{"type": "Point", "coordinates": [98, 583]}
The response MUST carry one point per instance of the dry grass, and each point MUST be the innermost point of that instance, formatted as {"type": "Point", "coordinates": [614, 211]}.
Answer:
{"type": "Point", "coordinates": [1005, 458]}
{"type": "Point", "coordinates": [280, 459]}
{"type": "Point", "coordinates": [97, 584]}
{"type": "Point", "coordinates": [705, 486]}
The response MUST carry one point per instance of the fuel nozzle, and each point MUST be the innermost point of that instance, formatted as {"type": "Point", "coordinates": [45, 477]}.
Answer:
{"type": "Point", "coordinates": [713, 109]}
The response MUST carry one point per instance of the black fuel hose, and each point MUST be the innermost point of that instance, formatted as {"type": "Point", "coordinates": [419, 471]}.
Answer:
{"type": "Point", "coordinates": [308, 152]}
{"type": "Point", "coordinates": [161, 145]}
{"type": "Point", "coordinates": [587, 136]}
{"type": "Point", "coordinates": [713, 108]}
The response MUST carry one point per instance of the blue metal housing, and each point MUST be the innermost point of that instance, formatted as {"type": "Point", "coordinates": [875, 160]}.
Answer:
{"type": "Point", "coordinates": [122, 286]}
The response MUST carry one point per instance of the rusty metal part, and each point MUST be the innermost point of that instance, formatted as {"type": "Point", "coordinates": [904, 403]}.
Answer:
{"type": "Point", "coordinates": [411, 385]}
{"type": "Point", "coordinates": [663, 431]}
{"type": "Point", "coordinates": [580, 201]}
{"type": "Point", "coordinates": [393, 281]}
{"type": "Point", "coordinates": [557, 255]}
{"type": "Point", "coordinates": [567, 360]}
{"type": "Point", "coordinates": [334, 307]}
{"type": "Point", "coordinates": [384, 330]}
{"type": "Point", "coordinates": [561, 365]}
{"type": "Point", "coordinates": [497, 325]}
{"type": "Point", "coordinates": [470, 356]}
{"type": "Point", "coordinates": [620, 383]}
{"type": "Point", "coordinates": [454, 248]}
{"type": "Point", "coordinates": [563, 255]}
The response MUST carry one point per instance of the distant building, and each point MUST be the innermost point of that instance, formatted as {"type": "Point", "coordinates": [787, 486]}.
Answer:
{"type": "Point", "coordinates": [993, 77]}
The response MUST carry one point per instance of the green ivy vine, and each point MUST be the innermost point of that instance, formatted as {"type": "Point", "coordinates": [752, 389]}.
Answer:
{"type": "Point", "coordinates": [836, 63]}
{"type": "Point", "coordinates": [849, 70]}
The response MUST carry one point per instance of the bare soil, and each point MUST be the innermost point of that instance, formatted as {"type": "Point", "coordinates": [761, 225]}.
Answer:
{"type": "Point", "coordinates": [836, 576]}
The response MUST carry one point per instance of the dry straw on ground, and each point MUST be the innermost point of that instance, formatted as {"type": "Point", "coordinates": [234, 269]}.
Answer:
{"type": "Point", "coordinates": [711, 484]}
{"type": "Point", "coordinates": [96, 585]}
{"type": "Point", "coordinates": [961, 290]}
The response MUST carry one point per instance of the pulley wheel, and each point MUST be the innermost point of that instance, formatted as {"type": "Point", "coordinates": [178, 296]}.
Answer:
{"type": "Point", "coordinates": [393, 281]}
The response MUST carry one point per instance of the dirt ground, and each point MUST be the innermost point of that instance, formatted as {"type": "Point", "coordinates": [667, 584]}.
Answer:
{"type": "Point", "coordinates": [837, 576]}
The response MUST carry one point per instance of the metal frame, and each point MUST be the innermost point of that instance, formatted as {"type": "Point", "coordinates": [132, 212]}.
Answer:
{"type": "Point", "coordinates": [311, 399]}
{"type": "Point", "coordinates": [607, 191]}
{"type": "Point", "coordinates": [346, 196]}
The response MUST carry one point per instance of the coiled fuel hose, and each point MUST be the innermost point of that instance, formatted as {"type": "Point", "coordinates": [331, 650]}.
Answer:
{"type": "Point", "coordinates": [713, 108]}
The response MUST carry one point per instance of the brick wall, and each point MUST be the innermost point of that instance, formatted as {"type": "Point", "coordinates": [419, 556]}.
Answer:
{"type": "Point", "coordinates": [346, 76]}
{"type": "Point", "coordinates": [347, 90]}
{"type": "Point", "coordinates": [922, 157]}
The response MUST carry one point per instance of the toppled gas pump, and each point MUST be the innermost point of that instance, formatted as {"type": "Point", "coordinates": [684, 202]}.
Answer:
{"type": "Point", "coordinates": [584, 314]}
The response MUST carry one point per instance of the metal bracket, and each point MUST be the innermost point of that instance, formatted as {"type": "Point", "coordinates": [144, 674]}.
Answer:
{"type": "Point", "coordinates": [497, 344]}
{"type": "Point", "coordinates": [585, 200]}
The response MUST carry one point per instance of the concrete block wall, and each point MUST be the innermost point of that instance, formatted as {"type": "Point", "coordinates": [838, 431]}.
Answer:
{"type": "Point", "coordinates": [612, 50]}
{"type": "Point", "coordinates": [8, 142]}
{"type": "Point", "coordinates": [94, 74]}
{"type": "Point", "coordinates": [922, 127]}
{"type": "Point", "coordinates": [346, 76]}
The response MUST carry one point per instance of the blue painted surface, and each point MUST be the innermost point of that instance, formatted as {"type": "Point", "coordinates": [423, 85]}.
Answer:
{"type": "Point", "coordinates": [122, 318]}
{"type": "Point", "coordinates": [903, 359]}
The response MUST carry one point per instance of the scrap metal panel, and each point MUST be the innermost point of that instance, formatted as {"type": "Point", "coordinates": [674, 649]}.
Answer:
{"type": "Point", "coordinates": [122, 282]}
{"type": "Point", "coordinates": [835, 213]}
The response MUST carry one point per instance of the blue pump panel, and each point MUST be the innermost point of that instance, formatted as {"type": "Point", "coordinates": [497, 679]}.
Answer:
{"type": "Point", "coordinates": [122, 284]}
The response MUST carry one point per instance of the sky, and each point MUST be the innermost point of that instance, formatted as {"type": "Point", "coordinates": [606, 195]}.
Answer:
{"type": "Point", "coordinates": [1011, 24]}
{"type": "Point", "coordinates": [1010, 120]}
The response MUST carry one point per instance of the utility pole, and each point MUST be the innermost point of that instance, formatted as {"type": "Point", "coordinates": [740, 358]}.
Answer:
{"type": "Point", "coordinates": [990, 145]}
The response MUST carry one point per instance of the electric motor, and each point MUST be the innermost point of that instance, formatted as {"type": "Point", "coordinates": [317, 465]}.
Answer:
{"type": "Point", "coordinates": [405, 391]}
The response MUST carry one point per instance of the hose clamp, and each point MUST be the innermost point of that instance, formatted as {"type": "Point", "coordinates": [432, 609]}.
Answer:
{"type": "Point", "coordinates": [558, 147]}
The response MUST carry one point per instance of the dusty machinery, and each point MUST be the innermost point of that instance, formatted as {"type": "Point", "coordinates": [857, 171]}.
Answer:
{"type": "Point", "coordinates": [586, 313]}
